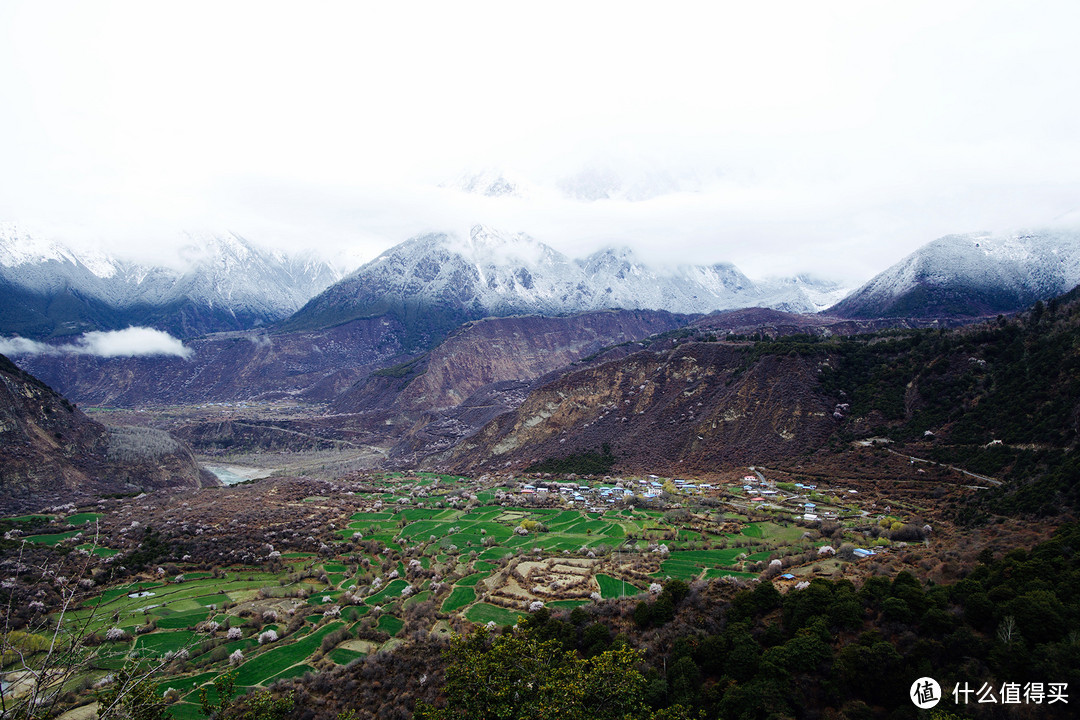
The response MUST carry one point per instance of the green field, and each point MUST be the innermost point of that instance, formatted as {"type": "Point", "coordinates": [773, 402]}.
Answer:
{"type": "Point", "coordinates": [484, 613]}
{"type": "Point", "coordinates": [341, 656]}
{"type": "Point", "coordinates": [448, 542]}
{"type": "Point", "coordinates": [718, 572]}
{"type": "Point", "coordinates": [471, 580]}
{"type": "Point", "coordinates": [52, 539]}
{"type": "Point", "coordinates": [416, 599]}
{"type": "Point", "coordinates": [459, 598]}
{"type": "Point", "coordinates": [389, 593]}
{"type": "Point", "coordinates": [30, 518]}
{"type": "Point", "coordinates": [612, 588]}
{"type": "Point", "coordinates": [269, 663]}
{"type": "Point", "coordinates": [160, 643]}
{"type": "Point", "coordinates": [390, 625]}
{"type": "Point", "coordinates": [83, 518]}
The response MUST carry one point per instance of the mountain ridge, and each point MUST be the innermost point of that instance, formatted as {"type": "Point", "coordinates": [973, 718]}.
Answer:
{"type": "Point", "coordinates": [437, 281]}
{"type": "Point", "coordinates": [996, 398]}
{"type": "Point", "coordinates": [971, 275]}
{"type": "Point", "coordinates": [217, 282]}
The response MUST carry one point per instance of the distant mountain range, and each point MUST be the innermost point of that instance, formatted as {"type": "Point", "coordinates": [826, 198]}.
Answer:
{"type": "Point", "coordinates": [219, 282]}
{"type": "Point", "coordinates": [430, 284]}
{"type": "Point", "coordinates": [433, 283]}
{"type": "Point", "coordinates": [996, 397]}
{"type": "Point", "coordinates": [970, 276]}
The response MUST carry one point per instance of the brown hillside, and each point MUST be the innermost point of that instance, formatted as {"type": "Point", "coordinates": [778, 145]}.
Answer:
{"type": "Point", "coordinates": [689, 409]}
{"type": "Point", "coordinates": [50, 452]}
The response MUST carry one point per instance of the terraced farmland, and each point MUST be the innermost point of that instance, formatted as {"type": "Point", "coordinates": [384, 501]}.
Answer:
{"type": "Point", "coordinates": [477, 560]}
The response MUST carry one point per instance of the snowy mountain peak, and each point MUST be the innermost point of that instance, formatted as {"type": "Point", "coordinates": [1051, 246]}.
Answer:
{"type": "Point", "coordinates": [618, 262]}
{"type": "Point", "coordinates": [488, 247]}
{"type": "Point", "coordinates": [218, 281]}
{"type": "Point", "coordinates": [971, 275]}
{"type": "Point", "coordinates": [489, 183]}
{"type": "Point", "coordinates": [217, 249]}
{"type": "Point", "coordinates": [438, 281]}
{"type": "Point", "coordinates": [19, 247]}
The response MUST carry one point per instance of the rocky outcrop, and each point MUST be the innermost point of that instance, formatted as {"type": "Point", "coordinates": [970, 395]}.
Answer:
{"type": "Point", "coordinates": [486, 368]}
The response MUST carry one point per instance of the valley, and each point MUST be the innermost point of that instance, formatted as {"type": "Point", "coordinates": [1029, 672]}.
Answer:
{"type": "Point", "coordinates": [457, 361]}
{"type": "Point", "coordinates": [344, 499]}
{"type": "Point", "coordinates": [282, 577]}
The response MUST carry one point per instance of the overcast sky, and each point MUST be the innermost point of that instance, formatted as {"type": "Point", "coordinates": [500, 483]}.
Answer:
{"type": "Point", "coordinates": [781, 136]}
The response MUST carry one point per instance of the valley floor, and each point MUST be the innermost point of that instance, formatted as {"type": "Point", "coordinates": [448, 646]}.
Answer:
{"type": "Point", "coordinates": [276, 577]}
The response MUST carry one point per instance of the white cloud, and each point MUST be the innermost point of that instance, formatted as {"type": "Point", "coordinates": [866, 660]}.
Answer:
{"type": "Point", "coordinates": [131, 342]}
{"type": "Point", "coordinates": [840, 137]}
{"type": "Point", "coordinates": [21, 346]}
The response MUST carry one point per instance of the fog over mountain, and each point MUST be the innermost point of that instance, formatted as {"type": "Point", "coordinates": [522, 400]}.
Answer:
{"type": "Point", "coordinates": [436, 281]}
{"type": "Point", "coordinates": [799, 146]}
{"type": "Point", "coordinates": [215, 281]}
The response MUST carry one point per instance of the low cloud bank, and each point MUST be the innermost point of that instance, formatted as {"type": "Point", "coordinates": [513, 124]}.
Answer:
{"type": "Point", "coordinates": [132, 342]}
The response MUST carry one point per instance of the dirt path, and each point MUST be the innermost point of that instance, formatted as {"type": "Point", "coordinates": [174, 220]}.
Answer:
{"type": "Point", "coordinates": [914, 459]}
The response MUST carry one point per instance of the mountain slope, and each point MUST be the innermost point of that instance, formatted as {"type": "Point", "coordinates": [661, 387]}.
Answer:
{"type": "Point", "coordinates": [497, 350]}
{"type": "Point", "coordinates": [689, 409]}
{"type": "Point", "coordinates": [971, 275]}
{"type": "Point", "coordinates": [218, 282]}
{"type": "Point", "coordinates": [1000, 399]}
{"type": "Point", "coordinates": [51, 452]}
{"type": "Point", "coordinates": [483, 369]}
{"type": "Point", "coordinates": [246, 365]}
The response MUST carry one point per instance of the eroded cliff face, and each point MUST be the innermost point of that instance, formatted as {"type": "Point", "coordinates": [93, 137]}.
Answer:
{"type": "Point", "coordinates": [485, 368]}
{"type": "Point", "coordinates": [51, 452]}
{"type": "Point", "coordinates": [499, 350]}
{"type": "Point", "coordinates": [694, 408]}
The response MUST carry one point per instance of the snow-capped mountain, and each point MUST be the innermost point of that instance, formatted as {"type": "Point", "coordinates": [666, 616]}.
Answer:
{"type": "Point", "coordinates": [801, 293]}
{"type": "Point", "coordinates": [218, 282]}
{"type": "Point", "coordinates": [490, 183]}
{"type": "Point", "coordinates": [619, 279]}
{"type": "Point", "coordinates": [435, 282]}
{"type": "Point", "coordinates": [971, 275]}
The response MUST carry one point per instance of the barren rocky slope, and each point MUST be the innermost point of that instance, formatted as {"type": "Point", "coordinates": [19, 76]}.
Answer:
{"type": "Point", "coordinates": [51, 452]}
{"type": "Point", "coordinates": [693, 408]}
